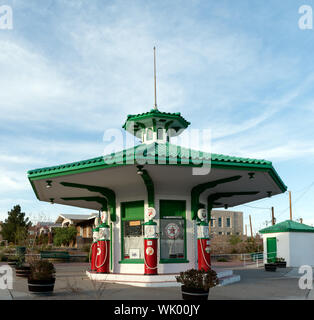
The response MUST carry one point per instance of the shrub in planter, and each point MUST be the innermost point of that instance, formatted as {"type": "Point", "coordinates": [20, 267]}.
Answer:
{"type": "Point", "coordinates": [12, 261]}
{"type": "Point", "coordinates": [3, 257]}
{"type": "Point", "coordinates": [22, 271]}
{"type": "Point", "coordinates": [42, 277]}
{"type": "Point", "coordinates": [281, 263]}
{"type": "Point", "coordinates": [196, 283]}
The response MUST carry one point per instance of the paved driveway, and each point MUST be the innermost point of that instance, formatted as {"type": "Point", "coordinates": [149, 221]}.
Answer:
{"type": "Point", "coordinates": [72, 283]}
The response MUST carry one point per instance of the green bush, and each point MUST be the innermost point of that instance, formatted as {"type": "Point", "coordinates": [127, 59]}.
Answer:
{"type": "Point", "coordinates": [222, 259]}
{"type": "Point", "coordinates": [234, 240]}
{"type": "Point", "coordinates": [64, 236]}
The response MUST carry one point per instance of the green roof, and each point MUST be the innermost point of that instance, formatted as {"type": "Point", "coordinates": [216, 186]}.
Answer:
{"type": "Point", "coordinates": [156, 113]}
{"type": "Point", "coordinates": [168, 154]}
{"type": "Point", "coordinates": [288, 226]}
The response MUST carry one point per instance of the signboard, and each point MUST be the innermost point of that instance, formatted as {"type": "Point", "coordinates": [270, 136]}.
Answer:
{"type": "Point", "coordinates": [135, 223]}
{"type": "Point", "coordinates": [172, 230]}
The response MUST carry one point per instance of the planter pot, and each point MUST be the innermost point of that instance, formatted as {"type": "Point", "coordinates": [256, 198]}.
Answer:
{"type": "Point", "coordinates": [23, 271]}
{"type": "Point", "coordinates": [12, 263]}
{"type": "Point", "coordinates": [194, 293]}
{"type": "Point", "coordinates": [270, 267]}
{"type": "Point", "coordinates": [281, 264]}
{"type": "Point", "coordinates": [41, 286]}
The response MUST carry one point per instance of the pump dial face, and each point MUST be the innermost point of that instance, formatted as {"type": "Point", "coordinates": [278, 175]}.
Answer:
{"type": "Point", "coordinates": [206, 232]}
{"type": "Point", "coordinates": [150, 231]}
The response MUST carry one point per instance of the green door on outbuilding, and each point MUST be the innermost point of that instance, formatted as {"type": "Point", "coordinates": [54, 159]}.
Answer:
{"type": "Point", "coordinates": [271, 249]}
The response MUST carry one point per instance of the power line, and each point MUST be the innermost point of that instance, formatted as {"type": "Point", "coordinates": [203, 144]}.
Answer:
{"type": "Point", "coordinates": [299, 198]}
{"type": "Point", "coordinates": [261, 208]}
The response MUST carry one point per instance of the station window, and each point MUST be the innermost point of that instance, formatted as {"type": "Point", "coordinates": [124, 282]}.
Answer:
{"type": "Point", "coordinates": [219, 222]}
{"type": "Point", "coordinates": [132, 233]}
{"type": "Point", "coordinates": [160, 134]}
{"type": "Point", "coordinates": [228, 222]}
{"type": "Point", "coordinates": [149, 135]}
{"type": "Point", "coordinates": [172, 231]}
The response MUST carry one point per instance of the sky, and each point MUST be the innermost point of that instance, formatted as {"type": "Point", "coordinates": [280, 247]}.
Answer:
{"type": "Point", "coordinates": [70, 70]}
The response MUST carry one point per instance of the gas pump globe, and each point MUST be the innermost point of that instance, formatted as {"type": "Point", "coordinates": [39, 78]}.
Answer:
{"type": "Point", "coordinates": [150, 243]}
{"type": "Point", "coordinates": [203, 242]}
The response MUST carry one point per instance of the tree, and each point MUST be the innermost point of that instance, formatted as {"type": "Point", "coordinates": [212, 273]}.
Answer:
{"type": "Point", "coordinates": [64, 236]}
{"type": "Point", "coordinates": [15, 227]}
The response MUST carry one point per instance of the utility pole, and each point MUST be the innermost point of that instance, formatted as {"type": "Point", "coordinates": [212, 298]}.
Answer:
{"type": "Point", "coordinates": [290, 205]}
{"type": "Point", "coordinates": [251, 226]}
{"type": "Point", "coordinates": [272, 216]}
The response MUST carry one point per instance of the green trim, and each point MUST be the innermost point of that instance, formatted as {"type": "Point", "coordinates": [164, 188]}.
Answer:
{"type": "Point", "coordinates": [132, 261]}
{"type": "Point", "coordinates": [156, 114]}
{"type": "Point", "coordinates": [149, 187]}
{"type": "Point", "coordinates": [174, 214]}
{"type": "Point", "coordinates": [168, 124]}
{"type": "Point", "coordinates": [150, 223]}
{"type": "Point", "coordinates": [154, 124]}
{"type": "Point", "coordinates": [124, 217]}
{"type": "Point", "coordinates": [100, 200]}
{"type": "Point", "coordinates": [215, 160]}
{"type": "Point", "coordinates": [197, 190]}
{"type": "Point", "coordinates": [129, 156]}
{"type": "Point", "coordinates": [173, 261]}
{"type": "Point", "coordinates": [211, 199]}
{"type": "Point", "coordinates": [106, 192]}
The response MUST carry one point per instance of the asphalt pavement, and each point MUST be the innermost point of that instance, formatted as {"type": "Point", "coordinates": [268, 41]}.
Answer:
{"type": "Point", "coordinates": [73, 284]}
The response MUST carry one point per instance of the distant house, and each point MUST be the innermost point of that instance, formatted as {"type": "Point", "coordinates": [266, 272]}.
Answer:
{"type": "Point", "coordinates": [42, 228]}
{"type": "Point", "coordinates": [83, 224]}
{"type": "Point", "coordinates": [226, 222]}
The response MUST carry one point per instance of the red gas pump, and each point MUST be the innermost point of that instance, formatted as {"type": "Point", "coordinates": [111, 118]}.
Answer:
{"type": "Point", "coordinates": [150, 244]}
{"type": "Point", "coordinates": [93, 253]}
{"type": "Point", "coordinates": [203, 242]}
{"type": "Point", "coordinates": [103, 247]}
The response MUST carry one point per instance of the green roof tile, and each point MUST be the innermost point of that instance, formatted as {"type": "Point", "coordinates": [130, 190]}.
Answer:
{"type": "Point", "coordinates": [156, 113]}
{"type": "Point", "coordinates": [165, 151]}
{"type": "Point", "coordinates": [288, 226]}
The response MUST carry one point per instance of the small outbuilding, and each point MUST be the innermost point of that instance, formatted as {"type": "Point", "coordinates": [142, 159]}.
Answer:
{"type": "Point", "coordinates": [290, 240]}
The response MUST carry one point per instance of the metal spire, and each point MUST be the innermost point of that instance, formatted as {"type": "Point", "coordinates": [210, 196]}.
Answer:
{"type": "Point", "coordinates": [155, 106]}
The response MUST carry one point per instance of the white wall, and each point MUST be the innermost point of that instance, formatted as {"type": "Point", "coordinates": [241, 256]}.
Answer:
{"type": "Point", "coordinates": [165, 267]}
{"type": "Point", "coordinates": [301, 249]}
{"type": "Point", "coordinates": [297, 248]}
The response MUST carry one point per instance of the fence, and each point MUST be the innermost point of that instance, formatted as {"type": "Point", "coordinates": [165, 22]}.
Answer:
{"type": "Point", "coordinates": [245, 259]}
